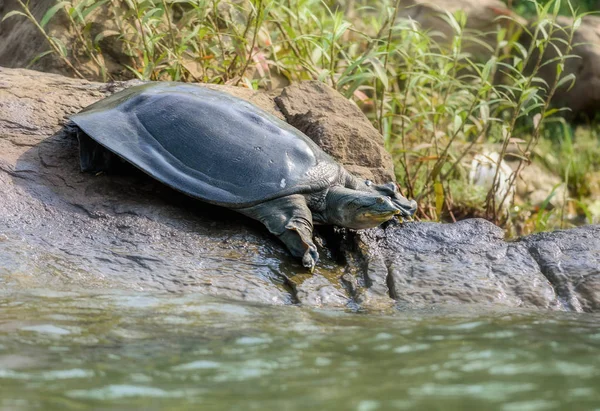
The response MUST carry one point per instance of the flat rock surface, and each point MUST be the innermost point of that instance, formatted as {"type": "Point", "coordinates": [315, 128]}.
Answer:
{"type": "Point", "coordinates": [60, 228]}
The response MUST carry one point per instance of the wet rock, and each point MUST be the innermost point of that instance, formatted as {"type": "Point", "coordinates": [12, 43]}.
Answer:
{"type": "Point", "coordinates": [424, 264]}
{"type": "Point", "coordinates": [339, 127]}
{"type": "Point", "coordinates": [317, 290]}
{"type": "Point", "coordinates": [467, 262]}
{"type": "Point", "coordinates": [63, 229]}
{"type": "Point", "coordinates": [570, 260]}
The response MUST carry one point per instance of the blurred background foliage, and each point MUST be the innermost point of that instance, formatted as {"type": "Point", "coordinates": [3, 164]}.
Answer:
{"type": "Point", "coordinates": [526, 8]}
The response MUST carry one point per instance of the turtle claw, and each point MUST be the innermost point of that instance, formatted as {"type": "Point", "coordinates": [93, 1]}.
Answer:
{"type": "Point", "coordinates": [310, 258]}
{"type": "Point", "coordinates": [405, 219]}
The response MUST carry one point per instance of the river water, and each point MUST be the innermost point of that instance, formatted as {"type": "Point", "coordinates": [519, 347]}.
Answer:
{"type": "Point", "coordinates": [124, 351]}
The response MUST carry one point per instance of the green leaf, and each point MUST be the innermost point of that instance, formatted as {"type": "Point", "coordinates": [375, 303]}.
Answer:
{"type": "Point", "coordinates": [522, 49]}
{"type": "Point", "coordinates": [13, 13]}
{"type": "Point", "coordinates": [528, 94]}
{"type": "Point", "coordinates": [501, 35]}
{"type": "Point", "coordinates": [61, 46]}
{"type": "Point", "coordinates": [39, 56]}
{"type": "Point", "coordinates": [484, 111]}
{"type": "Point", "coordinates": [339, 31]}
{"type": "Point", "coordinates": [542, 29]}
{"type": "Point", "coordinates": [453, 23]}
{"type": "Point", "coordinates": [487, 69]}
{"type": "Point", "coordinates": [536, 80]}
{"type": "Point", "coordinates": [569, 77]}
{"type": "Point", "coordinates": [457, 123]}
{"type": "Point", "coordinates": [437, 169]}
{"type": "Point", "coordinates": [550, 112]}
{"type": "Point", "coordinates": [324, 74]}
{"type": "Point", "coordinates": [93, 7]}
{"type": "Point", "coordinates": [51, 12]}
{"type": "Point", "coordinates": [380, 72]}
{"type": "Point", "coordinates": [150, 15]}
{"type": "Point", "coordinates": [556, 7]}
{"type": "Point", "coordinates": [135, 72]}
{"type": "Point", "coordinates": [439, 197]}
{"type": "Point", "coordinates": [104, 34]}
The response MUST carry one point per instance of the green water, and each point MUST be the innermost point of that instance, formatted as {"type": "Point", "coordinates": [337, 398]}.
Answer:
{"type": "Point", "coordinates": [70, 351]}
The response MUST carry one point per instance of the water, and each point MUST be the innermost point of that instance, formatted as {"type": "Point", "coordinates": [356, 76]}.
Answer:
{"type": "Point", "coordinates": [123, 351]}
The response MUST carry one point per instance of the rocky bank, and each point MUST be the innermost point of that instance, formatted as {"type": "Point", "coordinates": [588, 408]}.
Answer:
{"type": "Point", "coordinates": [60, 228]}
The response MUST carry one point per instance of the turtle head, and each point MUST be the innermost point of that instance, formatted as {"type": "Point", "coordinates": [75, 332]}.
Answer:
{"type": "Point", "coordinates": [357, 210]}
{"type": "Point", "coordinates": [390, 190]}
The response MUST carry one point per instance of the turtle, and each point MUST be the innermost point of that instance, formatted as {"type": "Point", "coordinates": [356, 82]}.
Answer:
{"type": "Point", "coordinates": [225, 151]}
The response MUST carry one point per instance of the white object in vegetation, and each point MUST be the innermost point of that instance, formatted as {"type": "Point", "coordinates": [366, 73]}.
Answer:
{"type": "Point", "coordinates": [483, 170]}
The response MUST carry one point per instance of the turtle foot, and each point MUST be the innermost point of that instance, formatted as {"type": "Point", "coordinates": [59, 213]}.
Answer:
{"type": "Point", "coordinates": [290, 219]}
{"type": "Point", "coordinates": [310, 258]}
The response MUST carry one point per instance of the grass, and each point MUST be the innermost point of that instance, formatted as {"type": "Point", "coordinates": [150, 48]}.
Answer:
{"type": "Point", "coordinates": [434, 102]}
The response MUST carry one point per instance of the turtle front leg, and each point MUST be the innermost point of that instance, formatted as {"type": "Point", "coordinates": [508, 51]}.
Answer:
{"type": "Point", "coordinates": [290, 219]}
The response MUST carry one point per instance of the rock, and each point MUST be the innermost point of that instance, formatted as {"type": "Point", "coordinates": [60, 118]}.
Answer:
{"type": "Point", "coordinates": [63, 229]}
{"type": "Point", "coordinates": [467, 262]}
{"type": "Point", "coordinates": [535, 184]}
{"type": "Point", "coordinates": [425, 264]}
{"type": "Point", "coordinates": [339, 127]}
{"type": "Point", "coordinates": [570, 260]}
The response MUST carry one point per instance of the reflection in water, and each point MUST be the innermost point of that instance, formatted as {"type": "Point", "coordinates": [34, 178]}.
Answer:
{"type": "Point", "coordinates": [141, 351]}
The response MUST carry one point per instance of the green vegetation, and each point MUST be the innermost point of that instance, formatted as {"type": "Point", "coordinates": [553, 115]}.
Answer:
{"type": "Point", "coordinates": [434, 102]}
{"type": "Point", "coordinates": [527, 7]}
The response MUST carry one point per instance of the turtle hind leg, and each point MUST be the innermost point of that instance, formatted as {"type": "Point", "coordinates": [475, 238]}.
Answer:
{"type": "Point", "coordinates": [93, 157]}
{"type": "Point", "coordinates": [290, 219]}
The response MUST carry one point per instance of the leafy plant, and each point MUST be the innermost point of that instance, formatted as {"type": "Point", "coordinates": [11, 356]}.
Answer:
{"type": "Point", "coordinates": [434, 102]}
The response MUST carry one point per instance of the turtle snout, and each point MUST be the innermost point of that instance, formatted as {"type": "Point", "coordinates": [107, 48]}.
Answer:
{"type": "Point", "coordinates": [407, 207]}
{"type": "Point", "coordinates": [387, 206]}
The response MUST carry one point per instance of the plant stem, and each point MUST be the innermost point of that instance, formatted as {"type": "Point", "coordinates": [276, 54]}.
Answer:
{"type": "Point", "coordinates": [101, 66]}
{"type": "Point", "coordinates": [254, 38]}
{"type": "Point", "coordinates": [385, 63]}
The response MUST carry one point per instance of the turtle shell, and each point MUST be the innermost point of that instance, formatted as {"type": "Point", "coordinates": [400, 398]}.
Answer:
{"type": "Point", "coordinates": [207, 144]}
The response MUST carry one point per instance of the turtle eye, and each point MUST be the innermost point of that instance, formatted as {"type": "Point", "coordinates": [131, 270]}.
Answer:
{"type": "Point", "coordinates": [368, 183]}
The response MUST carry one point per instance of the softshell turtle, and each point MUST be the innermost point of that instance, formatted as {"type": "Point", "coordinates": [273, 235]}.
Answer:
{"type": "Point", "coordinates": [225, 151]}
